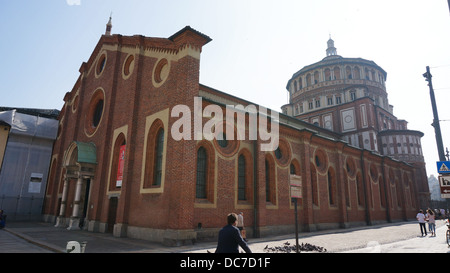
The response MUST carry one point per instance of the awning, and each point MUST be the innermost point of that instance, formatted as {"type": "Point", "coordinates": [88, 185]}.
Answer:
{"type": "Point", "coordinates": [87, 152]}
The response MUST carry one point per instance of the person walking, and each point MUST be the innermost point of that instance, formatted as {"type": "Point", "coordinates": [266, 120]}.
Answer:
{"type": "Point", "coordinates": [2, 219]}
{"type": "Point", "coordinates": [431, 222]}
{"type": "Point", "coordinates": [421, 218]}
{"type": "Point", "coordinates": [240, 225]}
{"type": "Point", "coordinates": [230, 238]}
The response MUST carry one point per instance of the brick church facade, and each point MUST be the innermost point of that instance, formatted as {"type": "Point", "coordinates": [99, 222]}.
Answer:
{"type": "Point", "coordinates": [118, 167]}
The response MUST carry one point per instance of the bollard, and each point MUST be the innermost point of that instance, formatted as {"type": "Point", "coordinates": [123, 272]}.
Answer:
{"type": "Point", "coordinates": [83, 246]}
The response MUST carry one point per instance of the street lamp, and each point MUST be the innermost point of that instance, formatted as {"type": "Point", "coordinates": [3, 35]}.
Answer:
{"type": "Point", "coordinates": [437, 128]}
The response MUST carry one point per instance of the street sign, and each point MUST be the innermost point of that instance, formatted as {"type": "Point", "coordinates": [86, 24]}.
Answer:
{"type": "Point", "coordinates": [296, 186]}
{"type": "Point", "coordinates": [444, 183]}
{"type": "Point", "coordinates": [295, 182]}
{"type": "Point", "coordinates": [443, 166]}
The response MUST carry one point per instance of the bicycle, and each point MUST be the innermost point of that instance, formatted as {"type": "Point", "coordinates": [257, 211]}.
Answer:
{"type": "Point", "coordinates": [448, 233]}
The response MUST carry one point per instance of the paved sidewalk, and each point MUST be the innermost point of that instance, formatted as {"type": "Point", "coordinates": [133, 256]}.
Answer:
{"type": "Point", "coordinates": [382, 238]}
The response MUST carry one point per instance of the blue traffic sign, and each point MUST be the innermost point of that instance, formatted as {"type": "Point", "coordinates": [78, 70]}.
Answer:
{"type": "Point", "coordinates": [443, 166]}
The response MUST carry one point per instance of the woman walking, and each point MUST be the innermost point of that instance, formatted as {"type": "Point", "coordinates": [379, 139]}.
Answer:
{"type": "Point", "coordinates": [431, 222]}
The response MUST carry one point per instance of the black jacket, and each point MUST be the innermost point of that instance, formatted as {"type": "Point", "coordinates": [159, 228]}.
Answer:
{"type": "Point", "coordinates": [230, 239]}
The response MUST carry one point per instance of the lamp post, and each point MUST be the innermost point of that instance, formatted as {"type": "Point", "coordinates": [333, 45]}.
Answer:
{"type": "Point", "coordinates": [437, 128]}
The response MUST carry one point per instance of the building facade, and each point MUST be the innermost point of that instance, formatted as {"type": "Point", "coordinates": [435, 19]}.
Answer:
{"type": "Point", "coordinates": [26, 142]}
{"type": "Point", "coordinates": [128, 158]}
{"type": "Point", "coordinates": [348, 96]}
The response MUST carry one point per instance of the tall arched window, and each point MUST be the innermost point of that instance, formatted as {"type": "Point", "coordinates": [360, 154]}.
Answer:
{"type": "Point", "coordinates": [241, 178]}
{"type": "Point", "coordinates": [316, 77]}
{"type": "Point", "coordinates": [348, 72]}
{"type": "Point", "coordinates": [200, 189]}
{"type": "Point", "coordinates": [357, 72]}
{"type": "Point", "coordinates": [337, 73]}
{"type": "Point", "coordinates": [308, 80]}
{"type": "Point", "coordinates": [382, 192]}
{"type": "Point", "coordinates": [292, 169]}
{"type": "Point", "coordinates": [360, 189]}
{"type": "Point", "coordinates": [331, 187]}
{"type": "Point", "coordinates": [157, 171]}
{"type": "Point", "coordinates": [154, 156]}
{"type": "Point", "coordinates": [327, 74]}
{"type": "Point", "coordinates": [314, 186]}
{"type": "Point", "coordinates": [270, 180]}
{"type": "Point", "coordinates": [268, 191]}
{"type": "Point", "coordinates": [118, 160]}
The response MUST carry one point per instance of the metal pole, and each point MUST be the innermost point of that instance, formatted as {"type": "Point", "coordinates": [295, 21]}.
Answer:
{"type": "Point", "coordinates": [435, 124]}
{"type": "Point", "coordinates": [296, 224]}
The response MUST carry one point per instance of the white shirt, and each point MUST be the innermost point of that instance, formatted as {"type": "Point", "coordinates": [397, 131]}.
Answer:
{"type": "Point", "coordinates": [240, 221]}
{"type": "Point", "coordinates": [420, 217]}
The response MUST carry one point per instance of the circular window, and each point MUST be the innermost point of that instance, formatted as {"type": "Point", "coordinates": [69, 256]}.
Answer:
{"type": "Point", "coordinates": [321, 160]}
{"type": "Point", "coordinates": [222, 141]}
{"type": "Point", "coordinates": [350, 167]}
{"type": "Point", "coordinates": [95, 112]}
{"type": "Point", "coordinates": [101, 63]}
{"type": "Point", "coordinates": [161, 72]}
{"type": "Point", "coordinates": [227, 146]}
{"type": "Point", "coordinates": [128, 66]}
{"type": "Point", "coordinates": [283, 152]}
{"type": "Point", "coordinates": [98, 110]}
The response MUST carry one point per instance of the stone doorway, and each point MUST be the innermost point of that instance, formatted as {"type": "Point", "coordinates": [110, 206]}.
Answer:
{"type": "Point", "coordinates": [80, 162]}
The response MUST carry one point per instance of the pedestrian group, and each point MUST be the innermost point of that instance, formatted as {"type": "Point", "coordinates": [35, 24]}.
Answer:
{"type": "Point", "coordinates": [430, 218]}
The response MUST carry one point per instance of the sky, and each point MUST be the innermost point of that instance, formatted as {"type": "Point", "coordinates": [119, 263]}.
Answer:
{"type": "Point", "coordinates": [256, 47]}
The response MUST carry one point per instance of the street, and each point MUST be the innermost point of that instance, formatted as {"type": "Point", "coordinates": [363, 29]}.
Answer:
{"type": "Point", "coordinates": [11, 243]}
{"type": "Point", "coordinates": [401, 237]}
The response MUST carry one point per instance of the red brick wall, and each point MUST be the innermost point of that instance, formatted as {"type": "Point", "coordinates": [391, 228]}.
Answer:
{"type": "Point", "coordinates": [130, 101]}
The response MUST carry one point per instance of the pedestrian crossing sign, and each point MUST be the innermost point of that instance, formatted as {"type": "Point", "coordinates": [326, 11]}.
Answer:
{"type": "Point", "coordinates": [443, 166]}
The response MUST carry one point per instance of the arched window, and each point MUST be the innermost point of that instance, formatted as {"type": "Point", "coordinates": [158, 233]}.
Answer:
{"type": "Point", "coordinates": [241, 178]}
{"type": "Point", "coordinates": [268, 192]}
{"type": "Point", "coordinates": [118, 160]}
{"type": "Point", "coordinates": [270, 180]}
{"type": "Point", "coordinates": [202, 159]}
{"type": "Point", "coordinates": [314, 186]}
{"type": "Point", "coordinates": [331, 187]}
{"type": "Point", "coordinates": [400, 200]}
{"type": "Point", "coordinates": [360, 189]}
{"type": "Point", "coordinates": [357, 72]}
{"type": "Point", "coordinates": [154, 157]}
{"type": "Point", "coordinates": [382, 193]}
{"type": "Point", "coordinates": [348, 71]}
{"type": "Point", "coordinates": [327, 74]}
{"type": "Point", "coordinates": [316, 77]}
{"type": "Point", "coordinates": [157, 171]}
{"type": "Point", "coordinates": [337, 73]}
{"type": "Point", "coordinates": [292, 169]}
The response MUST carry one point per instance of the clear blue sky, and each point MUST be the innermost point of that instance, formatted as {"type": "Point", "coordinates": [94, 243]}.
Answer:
{"type": "Point", "coordinates": [257, 45]}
